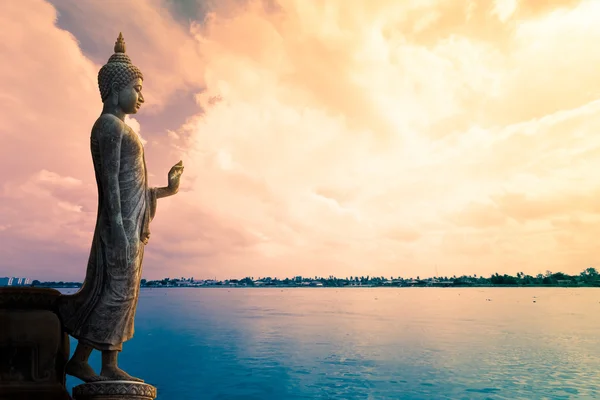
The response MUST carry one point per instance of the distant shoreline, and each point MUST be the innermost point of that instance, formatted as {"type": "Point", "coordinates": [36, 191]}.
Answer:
{"type": "Point", "coordinates": [337, 287]}
{"type": "Point", "coordinates": [590, 277]}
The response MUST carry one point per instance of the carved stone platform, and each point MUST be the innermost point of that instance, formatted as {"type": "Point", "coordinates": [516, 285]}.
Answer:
{"type": "Point", "coordinates": [114, 390]}
{"type": "Point", "coordinates": [33, 346]}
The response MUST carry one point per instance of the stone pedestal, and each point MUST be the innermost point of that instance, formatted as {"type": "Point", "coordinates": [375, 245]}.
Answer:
{"type": "Point", "coordinates": [33, 347]}
{"type": "Point", "coordinates": [114, 390]}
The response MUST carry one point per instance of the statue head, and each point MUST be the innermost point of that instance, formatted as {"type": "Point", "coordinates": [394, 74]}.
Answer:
{"type": "Point", "coordinates": [120, 81]}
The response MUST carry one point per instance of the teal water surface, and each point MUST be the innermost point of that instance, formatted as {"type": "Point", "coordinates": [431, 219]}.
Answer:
{"type": "Point", "coordinates": [366, 343]}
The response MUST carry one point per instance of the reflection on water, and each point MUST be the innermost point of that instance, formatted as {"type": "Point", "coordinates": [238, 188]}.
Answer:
{"type": "Point", "coordinates": [409, 343]}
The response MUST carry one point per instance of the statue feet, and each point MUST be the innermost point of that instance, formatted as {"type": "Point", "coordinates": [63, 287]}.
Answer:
{"type": "Point", "coordinates": [83, 371]}
{"type": "Point", "coordinates": [114, 373]}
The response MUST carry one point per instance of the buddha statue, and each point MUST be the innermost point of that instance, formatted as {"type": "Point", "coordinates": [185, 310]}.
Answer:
{"type": "Point", "coordinates": [101, 314]}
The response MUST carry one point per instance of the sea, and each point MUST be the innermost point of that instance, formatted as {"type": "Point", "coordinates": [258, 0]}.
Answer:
{"type": "Point", "coordinates": [365, 343]}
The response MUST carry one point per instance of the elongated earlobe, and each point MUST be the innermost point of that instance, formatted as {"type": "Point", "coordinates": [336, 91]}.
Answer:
{"type": "Point", "coordinates": [115, 94]}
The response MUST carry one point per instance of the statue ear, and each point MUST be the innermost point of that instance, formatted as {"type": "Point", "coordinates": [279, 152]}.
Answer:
{"type": "Point", "coordinates": [114, 93]}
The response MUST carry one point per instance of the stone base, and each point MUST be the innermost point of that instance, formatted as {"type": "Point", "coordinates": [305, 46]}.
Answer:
{"type": "Point", "coordinates": [33, 347]}
{"type": "Point", "coordinates": [114, 390]}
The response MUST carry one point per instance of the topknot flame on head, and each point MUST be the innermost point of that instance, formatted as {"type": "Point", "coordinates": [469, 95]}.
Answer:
{"type": "Point", "coordinates": [120, 44]}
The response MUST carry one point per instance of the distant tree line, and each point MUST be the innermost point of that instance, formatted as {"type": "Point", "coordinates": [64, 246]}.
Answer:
{"type": "Point", "coordinates": [589, 277]}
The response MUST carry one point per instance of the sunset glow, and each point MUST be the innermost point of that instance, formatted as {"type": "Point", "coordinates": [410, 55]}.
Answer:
{"type": "Point", "coordinates": [334, 137]}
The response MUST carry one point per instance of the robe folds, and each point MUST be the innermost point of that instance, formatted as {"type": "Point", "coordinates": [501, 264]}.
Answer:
{"type": "Point", "coordinates": [101, 314]}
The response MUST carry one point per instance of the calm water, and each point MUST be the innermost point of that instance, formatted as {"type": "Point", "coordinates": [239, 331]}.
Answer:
{"type": "Point", "coordinates": [409, 343]}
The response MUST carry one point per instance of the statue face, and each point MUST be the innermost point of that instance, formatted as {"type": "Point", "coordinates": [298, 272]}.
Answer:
{"type": "Point", "coordinates": [130, 97]}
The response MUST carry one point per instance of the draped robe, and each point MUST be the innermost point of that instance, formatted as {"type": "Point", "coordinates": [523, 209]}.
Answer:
{"type": "Point", "coordinates": [101, 313]}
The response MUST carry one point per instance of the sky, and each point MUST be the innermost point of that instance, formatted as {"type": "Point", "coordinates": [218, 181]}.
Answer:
{"type": "Point", "coordinates": [330, 137]}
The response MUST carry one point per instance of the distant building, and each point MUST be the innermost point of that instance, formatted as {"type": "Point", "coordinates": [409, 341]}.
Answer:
{"type": "Point", "coordinates": [11, 281]}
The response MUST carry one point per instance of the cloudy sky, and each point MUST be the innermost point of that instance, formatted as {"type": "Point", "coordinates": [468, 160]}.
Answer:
{"type": "Point", "coordinates": [329, 137]}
